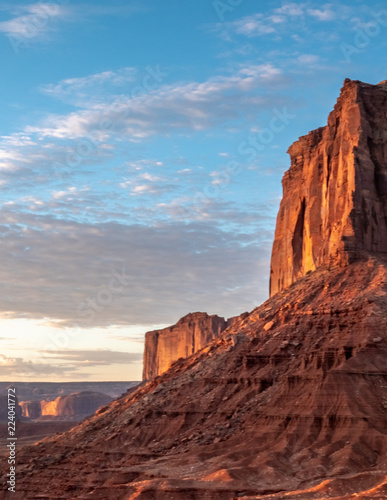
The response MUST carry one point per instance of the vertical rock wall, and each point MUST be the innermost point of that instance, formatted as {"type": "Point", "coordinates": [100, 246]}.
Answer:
{"type": "Point", "coordinates": [334, 206]}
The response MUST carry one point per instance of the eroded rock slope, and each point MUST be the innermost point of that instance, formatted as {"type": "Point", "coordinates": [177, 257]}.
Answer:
{"type": "Point", "coordinates": [293, 396]}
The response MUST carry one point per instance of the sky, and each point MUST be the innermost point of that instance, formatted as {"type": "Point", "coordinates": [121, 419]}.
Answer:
{"type": "Point", "coordinates": [142, 146]}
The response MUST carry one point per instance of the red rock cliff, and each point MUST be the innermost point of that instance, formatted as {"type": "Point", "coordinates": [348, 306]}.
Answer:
{"type": "Point", "coordinates": [334, 206]}
{"type": "Point", "coordinates": [188, 335]}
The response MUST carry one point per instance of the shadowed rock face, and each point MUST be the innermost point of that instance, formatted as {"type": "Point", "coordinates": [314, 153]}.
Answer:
{"type": "Point", "coordinates": [188, 335]}
{"type": "Point", "coordinates": [31, 409]}
{"type": "Point", "coordinates": [334, 206]}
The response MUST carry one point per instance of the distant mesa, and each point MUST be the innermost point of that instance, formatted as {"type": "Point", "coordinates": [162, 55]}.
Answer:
{"type": "Point", "coordinates": [334, 206]}
{"type": "Point", "coordinates": [73, 406]}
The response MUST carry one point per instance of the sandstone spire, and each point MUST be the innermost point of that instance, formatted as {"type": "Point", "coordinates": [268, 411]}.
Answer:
{"type": "Point", "coordinates": [334, 206]}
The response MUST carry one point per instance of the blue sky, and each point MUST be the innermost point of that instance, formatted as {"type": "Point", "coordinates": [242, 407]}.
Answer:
{"type": "Point", "coordinates": [142, 146]}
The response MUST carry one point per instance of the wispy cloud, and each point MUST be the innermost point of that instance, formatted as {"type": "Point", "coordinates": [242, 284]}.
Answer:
{"type": "Point", "coordinates": [274, 23]}
{"type": "Point", "coordinates": [192, 106]}
{"type": "Point", "coordinates": [33, 22]}
{"type": "Point", "coordinates": [291, 10]}
{"type": "Point", "coordinates": [65, 363]}
{"type": "Point", "coordinates": [93, 357]}
{"type": "Point", "coordinates": [325, 14]}
{"type": "Point", "coordinates": [308, 59]}
{"type": "Point", "coordinates": [18, 366]}
{"type": "Point", "coordinates": [253, 26]}
{"type": "Point", "coordinates": [91, 87]}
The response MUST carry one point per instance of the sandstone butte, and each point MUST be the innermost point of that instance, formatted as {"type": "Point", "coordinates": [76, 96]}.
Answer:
{"type": "Point", "coordinates": [289, 402]}
{"type": "Point", "coordinates": [190, 334]}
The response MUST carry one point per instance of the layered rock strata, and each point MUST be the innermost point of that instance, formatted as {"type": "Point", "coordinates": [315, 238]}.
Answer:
{"type": "Point", "coordinates": [334, 206]}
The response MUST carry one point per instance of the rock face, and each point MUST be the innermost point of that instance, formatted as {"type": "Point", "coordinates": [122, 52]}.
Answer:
{"type": "Point", "coordinates": [334, 206]}
{"type": "Point", "coordinates": [80, 404]}
{"type": "Point", "coordinates": [188, 335]}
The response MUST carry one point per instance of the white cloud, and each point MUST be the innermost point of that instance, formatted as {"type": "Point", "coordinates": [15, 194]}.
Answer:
{"type": "Point", "coordinates": [275, 22]}
{"type": "Point", "coordinates": [194, 105]}
{"type": "Point", "coordinates": [308, 59]}
{"type": "Point", "coordinates": [145, 188]}
{"type": "Point", "coordinates": [327, 14]}
{"type": "Point", "coordinates": [291, 9]}
{"type": "Point", "coordinates": [34, 22]}
{"type": "Point", "coordinates": [253, 26]}
{"type": "Point", "coordinates": [150, 177]}
{"type": "Point", "coordinates": [154, 187]}
{"type": "Point", "coordinates": [91, 87]}
{"type": "Point", "coordinates": [59, 194]}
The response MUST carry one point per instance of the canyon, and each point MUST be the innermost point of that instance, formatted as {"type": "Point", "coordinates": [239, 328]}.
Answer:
{"type": "Point", "coordinates": [288, 401]}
